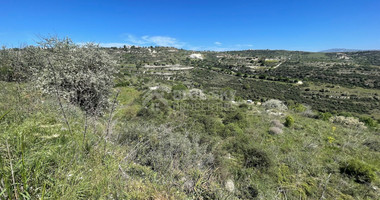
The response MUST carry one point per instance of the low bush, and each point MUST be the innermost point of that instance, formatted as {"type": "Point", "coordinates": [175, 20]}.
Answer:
{"type": "Point", "coordinates": [347, 121]}
{"type": "Point", "coordinates": [232, 129]}
{"type": "Point", "coordinates": [249, 192]}
{"type": "Point", "coordinates": [274, 104]}
{"type": "Point", "coordinates": [257, 158]}
{"type": "Point", "coordinates": [251, 154]}
{"type": "Point", "coordinates": [289, 121]}
{"type": "Point", "coordinates": [237, 117]}
{"type": "Point", "coordinates": [212, 125]}
{"type": "Point", "coordinates": [164, 149]}
{"type": "Point", "coordinates": [368, 121]}
{"type": "Point", "coordinates": [298, 107]}
{"type": "Point", "coordinates": [324, 116]}
{"type": "Point", "coordinates": [243, 105]}
{"type": "Point", "coordinates": [277, 123]}
{"type": "Point", "coordinates": [309, 113]}
{"type": "Point", "coordinates": [361, 171]}
{"type": "Point", "coordinates": [275, 130]}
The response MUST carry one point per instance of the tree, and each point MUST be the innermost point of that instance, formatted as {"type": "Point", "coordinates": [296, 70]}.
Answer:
{"type": "Point", "coordinates": [83, 75]}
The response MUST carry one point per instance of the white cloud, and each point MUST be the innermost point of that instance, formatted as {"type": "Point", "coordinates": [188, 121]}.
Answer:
{"type": "Point", "coordinates": [134, 40]}
{"type": "Point", "coordinates": [217, 43]}
{"type": "Point", "coordinates": [163, 41]}
{"type": "Point", "coordinates": [155, 40]}
{"type": "Point", "coordinates": [147, 40]}
{"type": "Point", "coordinates": [243, 45]}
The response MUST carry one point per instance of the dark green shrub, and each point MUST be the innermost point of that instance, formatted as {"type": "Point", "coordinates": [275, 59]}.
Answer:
{"type": "Point", "coordinates": [236, 117]}
{"type": "Point", "coordinates": [5, 73]}
{"type": "Point", "coordinates": [255, 157]}
{"type": "Point", "coordinates": [246, 86]}
{"type": "Point", "coordinates": [324, 116]}
{"type": "Point", "coordinates": [232, 130]}
{"type": "Point", "coordinates": [361, 171]}
{"type": "Point", "coordinates": [212, 125]}
{"type": "Point", "coordinates": [155, 109]}
{"type": "Point", "coordinates": [251, 154]}
{"type": "Point", "coordinates": [289, 121]}
{"type": "Point", "coordinates": [243, 105]}
{"type": "Point", "coordinates": [249, 192]}
{"type": "Point", "coordinates": [368, 121]}
{"type": "Point", "coordinates": [12, 67]}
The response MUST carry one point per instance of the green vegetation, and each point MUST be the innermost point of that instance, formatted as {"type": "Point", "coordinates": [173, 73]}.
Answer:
{"type": "Point", "coordinates": [362, 172]}
{"type": "Point", "coordinates": [325, 116]}
{"type": "Point", "coordinates": [179, 87]}
{"type": "Point", "coordinates": [289, 121]}
{"type": "Point", "coordinates": [368, 121]}
{"type": "Point", "coordinates": [170, 133]}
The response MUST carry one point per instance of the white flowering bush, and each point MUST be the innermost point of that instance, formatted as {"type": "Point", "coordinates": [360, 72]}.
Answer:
{"type": "Point", "coordinates": [347, 121]}
{"type": "Point", "coordinates": [83, 75]}
{"type": "Point", "coordinates": [275, 104]}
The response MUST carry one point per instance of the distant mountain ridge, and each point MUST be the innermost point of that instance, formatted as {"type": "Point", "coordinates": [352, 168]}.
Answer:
{"type": "Point", "coordinates": [341, 50]}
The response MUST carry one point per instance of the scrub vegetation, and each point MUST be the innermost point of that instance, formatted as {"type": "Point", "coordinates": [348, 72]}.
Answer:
{"type": "Point", "coordinates": [85, 122]}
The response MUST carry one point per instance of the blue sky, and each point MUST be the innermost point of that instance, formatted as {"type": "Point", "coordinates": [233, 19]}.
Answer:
{"type": "Point", "coordinates": [309, 25]}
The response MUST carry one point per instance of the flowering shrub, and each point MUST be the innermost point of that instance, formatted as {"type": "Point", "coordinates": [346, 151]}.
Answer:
{"type": "Point", "coordinates": [275, 104]}
{"type": "Point", "coordinates": [347, 121]}
{"type": "Point", "coordinates": [82, 75]}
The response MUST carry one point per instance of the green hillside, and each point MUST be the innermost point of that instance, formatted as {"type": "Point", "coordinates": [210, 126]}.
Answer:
{"type": "Point", "coordinates": [158, 123]}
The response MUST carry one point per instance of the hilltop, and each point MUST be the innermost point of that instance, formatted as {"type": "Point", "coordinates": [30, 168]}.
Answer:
{"type": "Point", "coordinates": [341, 50]}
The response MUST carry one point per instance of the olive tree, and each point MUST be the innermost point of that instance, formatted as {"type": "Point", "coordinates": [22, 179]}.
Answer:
{"type": "Point", "coordinates": [80, 74]}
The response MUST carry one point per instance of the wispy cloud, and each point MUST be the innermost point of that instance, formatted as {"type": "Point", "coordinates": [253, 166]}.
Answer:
{"type": "Point", "coordinates": [134, 40]}
{"type": "Point", "coordinates": [147, 40]}
{"type": "Point", "coordinates": [155, 40]}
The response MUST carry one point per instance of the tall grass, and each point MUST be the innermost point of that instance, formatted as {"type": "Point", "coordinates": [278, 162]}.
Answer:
{"type": "Point", "coordinates": [177, 159]}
